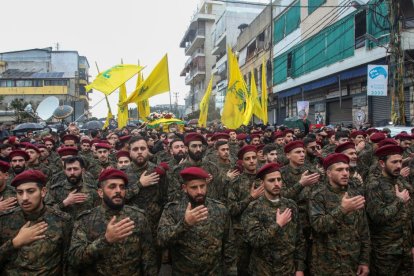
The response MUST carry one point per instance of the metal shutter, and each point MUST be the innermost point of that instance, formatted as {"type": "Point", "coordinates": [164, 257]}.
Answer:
{"type": "Point", "coordinates": [281, 115]}
{"type": "Point", "coordinates": [340, 115]}
{"type": "Point", "coordinates": [381, 110]}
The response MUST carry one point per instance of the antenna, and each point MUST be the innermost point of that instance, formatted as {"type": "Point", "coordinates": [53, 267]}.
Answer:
{"type": "Point", "coordinates": [57, 46]}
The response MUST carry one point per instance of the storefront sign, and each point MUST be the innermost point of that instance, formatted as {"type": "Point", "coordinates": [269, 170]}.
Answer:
{"type": "Point", "coordinates": [377, 80]}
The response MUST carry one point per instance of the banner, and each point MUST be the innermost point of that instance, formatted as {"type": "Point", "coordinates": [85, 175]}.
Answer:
{"type": "Point", "coordinates": [377, 80]}
{"type": "Point", "coordinates": [303, 109]}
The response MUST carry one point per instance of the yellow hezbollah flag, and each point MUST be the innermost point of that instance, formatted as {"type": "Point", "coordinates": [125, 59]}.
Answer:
{"type": "Point", "coordinates": [109, 117]}
{"type": "Point", "coordinates": [122, 109]}
{"type": "Point", "coordinates": [257, 109]}
{"type": "Point", "coordinates": [202, 119]}
{"type": "Point", "coordinates": [157, 82]}
{"type": "Point", "coordinates": [265, 118]}
{"type": "Point", "coordinates": [143, 107]}
{"type": "Point", "coordinates": [235, 105]}
{"type": "Point", "coordinates": [109, 80]}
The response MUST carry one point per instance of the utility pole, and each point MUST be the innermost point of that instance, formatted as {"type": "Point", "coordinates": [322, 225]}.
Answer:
{"type": "Point", "coordinates": [176, 103]}
{"type": "Point", "coordinates": [396, 62]}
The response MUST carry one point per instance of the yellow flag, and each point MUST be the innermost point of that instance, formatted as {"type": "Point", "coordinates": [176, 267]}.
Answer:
{"type": "Point", "coordinates": [122, 109]}
{"type": "Point", "coordinates": [236, 104]}
{"type": "Point", "coordinates": [157, 82]}
{"type": "Point", "coordinates": [109, 80]}
{"type": "Point", "coordinates": [143, 107]}
{"type": "Point", "coordinates": [257, 109]}
{"type": "Point", "coordinates": [202, 119]}
{"type": "Point", "coordinates": [265, 118]}
{"type": "Point", "coordinates": [109, 117]}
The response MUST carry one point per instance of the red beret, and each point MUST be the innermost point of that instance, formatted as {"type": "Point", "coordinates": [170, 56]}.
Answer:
{"type": "Point", "coordinates": [12, 139]}
{"type": "Point", "coordinates": [103, 146]}
{"type": "Point", "coordinates": [241, 136]}
{"type": "Point", "coordinates": [65, 151]}
{"type": "Point", "coordinates": [278, 134]}
{"type": "Point", "coordinates": [4, 166]}
{"type": "Point", "coordinates": [95, 141]}
{"type": "Point", "coordinates": [335, 158]}
{"type": "Point", "coordinates": [343, 147]}
{"type": "Point", "coordinates": [192, 173]}
{"type": "Point", "coordinates": [86, 140]}
{"type": "Point", "coordinates": [388, 150]}
{"type": "Point", "coordinates": [254, 136]}
{"type": "Point", "coordinates": [372, 130]}
{"type": "Point", "coordinates": [266, 169]}
{"type": "Point", "coordinates": [356, 133]}
{"type": "Point", "coordinates": [20, 153]}
{"type": "Point", "coordinates": [259, 132]}
{"type": "Point", "coordinates": [111, 173]}
{"type": "Point", "coordinates": [33, 147]}
{"type": "Point", "coordinates": [209, 135]}
{"type": "Point", "coordinates": [403, 136]}
{"type": "Point", "coordinates": [229, 130]}
{"type": "Point", "coordinates": [70, 137]}
{"type": "Point", "coordinates": [286, 131]}
{"type": "Point", "coordinates": [122, 153]}
{"type": "Point", "coordinates": [41, 146]}
{"type": "Point", "coordinates": [164, 165]}
{"type": "Point", "coordinates": [377, 137]}
{"type": "Point", "coordinates": [48, 139]}
{"type": "Point", "coordinates": [162, 168]}
{"type": "Point", "coordinates": [260, 147]}
{"type": "Point", "coordinates": [387, 141]}
{"type": "Point", "coordinates": [245, 150]}
{"type": "Point", "coordinates": [125, 138]}
{"type": "Point", "coordinates": [293, 145]}
{"type": "Point", "coordinates": [239, 165]}
{"type": "Point", "coordinates": [29, 176]}
{"type": "Point", "coordinates": [193, 136]}
{"type": "Point", "coordinates": [218, 136]}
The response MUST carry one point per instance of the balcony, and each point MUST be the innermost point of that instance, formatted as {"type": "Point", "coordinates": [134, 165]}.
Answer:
{"type": "Point", "coordinates": [195, 42]}
{"type": "Point", "coordinates": [219, 45]}
{"type": "Point", "coordinates": [196, 73]}
{"type": "Point", "coordinates": [198, 53]}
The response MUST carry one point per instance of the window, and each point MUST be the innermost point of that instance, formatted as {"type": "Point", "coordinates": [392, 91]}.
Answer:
{"type": "Point", "coordinates": [56, 82]}
{"type": "Point", "coordinates": [286, 23]}
{"type": "Point", "coordinates": [37, 83]}
{"type": "Point", "coordinates": [360, 29]}
{"type": "Point", "coordinates": [314, 4]}
{"type": "Point", "coordinates": [289, 64]}
{"type": "Point", "coordinates": [10, 83]}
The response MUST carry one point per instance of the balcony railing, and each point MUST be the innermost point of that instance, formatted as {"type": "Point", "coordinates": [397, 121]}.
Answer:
{"type": "Point", "coordinates": [198, 33]}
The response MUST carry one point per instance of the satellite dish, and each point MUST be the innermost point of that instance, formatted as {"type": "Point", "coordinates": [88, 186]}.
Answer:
{"type": "Point", "coordinates": [46, 107]}
{"type": "Point", "coordinates": [63, 112]}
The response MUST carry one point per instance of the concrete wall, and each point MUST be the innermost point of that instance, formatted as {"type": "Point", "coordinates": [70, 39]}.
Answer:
{"type": "Point", "coordinates": [67, 62]}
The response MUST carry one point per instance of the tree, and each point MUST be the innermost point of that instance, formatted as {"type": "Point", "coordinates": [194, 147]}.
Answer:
{"type": "Point", "coordinates": [18, 106]}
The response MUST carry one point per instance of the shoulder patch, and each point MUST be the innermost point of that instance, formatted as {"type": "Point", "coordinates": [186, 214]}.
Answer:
{"type": "Point", "coordinates": [59, 213]}
{"type": "Point", "coordinates": [134, 208]}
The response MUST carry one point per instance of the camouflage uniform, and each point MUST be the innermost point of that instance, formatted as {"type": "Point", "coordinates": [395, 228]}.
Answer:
{"type": "Point", "coordinates": [340, 241]}
{"type": "Point", "coordinates": [391, 226]}
{"type": "Point", "coordinates": [206, 248]}
{"type": "Point", "coordinates": [216, 188]}
{"type": "Point", "coordinates": [276, 250]}
{"type": "Point", "coordinates": [234, 148]}
{"type": "Point", "coordinates": [365, 162]}
{"type": "Point", "coordinates": [238, 200]}
{"type": "Point", "coordinates": [46, 256]}
{"type": "Point", "coordinates": [40, 167]}
{"type": "Point", "coordinates": [8, 192]}
{"type": "Point", "coordinates": [60, 191]}
{"type": "Point", "coordinates": [162, 156]}
{"type": "Point", "coordinates": [328, 149]}
{"type": "Point", "coordinates": [91, 254]}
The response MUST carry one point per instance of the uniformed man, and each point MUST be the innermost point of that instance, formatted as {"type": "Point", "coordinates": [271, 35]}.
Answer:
{"type": "Point", "coordinates": [312, 157]}
{"type": "Point", "coordinates": [102, 152]}
{"type": "Point", "coordinates": [355, 178]}
{"type": "Point", "coordinates": [34, 237]}
{"type": "Point", "coordinates": [178, 152]}
{"type": "Point", "coordinates": [113, 238]}
{"type": "Point", "coordinates": [341, 243]}
{"type": "Point", "coordinates": [390, 216]}
{"type": "Point", "coordinates": [123, 160]}
{"type": "Point", "coordinates": [73, 195]}
{"type": "Point", "coordinates": [243, 189]}
{"type": "Point", "coordinates": [197, 230]}
{"type": "Point", "coordinates": [18, 159]}
{"type": "Point", "coordinates": [270, 153]}
{"type": "Point", "coordinates": [70, 140]}
{"type": "Point", "coordinates": [272, 228]}
{"type": "Point", "coordinates": [5, 150]}
{"type": "Point", "coordinates": [34, 162]}
{"type": "Point", "coordinates": [288, 136]}
{"type": "Point", "coordinates": [233, 143]}
{"type": "Point", "coordinates": [254, 139]}
{"type": "Point", "coordinates": [7, 193]}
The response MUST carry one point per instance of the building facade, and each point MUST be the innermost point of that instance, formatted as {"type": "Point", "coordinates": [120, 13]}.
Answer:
{"type": "Point", "coordinates": [321, 50]}
{"type": "Point", "coordinates": [34, 74]}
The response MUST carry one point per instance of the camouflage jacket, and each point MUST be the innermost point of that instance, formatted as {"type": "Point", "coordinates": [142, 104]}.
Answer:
{"type": "Point", "coordinates": [366, 159]}
{"type": "Point", "coordinates": [60, 191]}
{"type": "Point", "coordinates": [151, 199]}
{"type": "Point", "coordinates": [239, 196]}
{"type": "Point", "coordinates": [216, 188]}
{"type": "Point", "coordinates": [40, 167]}
{"type": "Point", "coordinates": [341, 241]}
{"type": "Point", "coordinates": [276, 250]}
{"type": "Point", "coordinates": [328, 149]}
{"type": "Point", "coordinates": [390, 220]}
{"type": "Point", "coordinates": [234, 149]}
{"type": "Point", "coordinates": [162, 156]}
{"type": "Point", "coordinates": [206, 248]}
{"type": "Point", "coordinates": [43, 257]}
{"type": "Point", "coordinates": [91, 254]}
{"type": "Point", "coordinates": [8, 192]}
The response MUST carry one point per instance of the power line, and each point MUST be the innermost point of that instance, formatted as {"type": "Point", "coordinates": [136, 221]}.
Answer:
{"type": "Point", "coordinates": [279, 5]}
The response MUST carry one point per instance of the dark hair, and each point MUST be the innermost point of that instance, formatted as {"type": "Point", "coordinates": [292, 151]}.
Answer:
{"type": "Point", "coordinates": [268, 148]}
{"type": "Point", "coordinates": [5, 146]}
{"type": "Point", "coordinates": [341, 134]}
{"type": "Point", "coordinates": [73, 159]}
{"type": "Point", "coordinates": [136, 139]}
{"type": "Point", "coordinates": [94, 133]}
{"type": "Point", "coordinates": [219, 144]}
{"type": "Point", "coordinates": [175, 140]}
{"type": "Point", "coordinates": [308, 140]}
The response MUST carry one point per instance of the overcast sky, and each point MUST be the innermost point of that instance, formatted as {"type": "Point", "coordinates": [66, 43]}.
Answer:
{"type": "Point", "coordinates": [105, 32]}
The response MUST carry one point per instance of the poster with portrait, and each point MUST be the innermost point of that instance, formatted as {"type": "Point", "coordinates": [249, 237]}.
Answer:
{"type": "Point", "coordinates": [303, 109]}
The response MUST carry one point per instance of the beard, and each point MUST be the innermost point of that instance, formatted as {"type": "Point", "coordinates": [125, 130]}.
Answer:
{"type": "Point", "coordinates": [196, 201]}
{"type": "Point", "coordinates": [111, 205]}
{"type": "Point", "coordinates": [352, 164]}
{"type": "Point", "coordinates": [74, 179]}
{"type": "Point", "coordinates": [179, 157]}
{"type": "Point", "coordinates": [196, 156]}
{"type": "Point", "coordinates": [392, 173]}
{"type": "Point", "coordinates": [19, 169]}
{"type": "Point", "coordinates": [141, 161]}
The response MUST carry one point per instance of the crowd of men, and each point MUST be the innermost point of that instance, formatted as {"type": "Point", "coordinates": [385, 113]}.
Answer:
{"type": "Point", "coordinates": [216, 201]}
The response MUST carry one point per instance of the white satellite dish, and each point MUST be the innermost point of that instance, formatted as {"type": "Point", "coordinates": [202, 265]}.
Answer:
{"type": "Point", "coordinates": [46, 107]}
